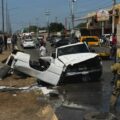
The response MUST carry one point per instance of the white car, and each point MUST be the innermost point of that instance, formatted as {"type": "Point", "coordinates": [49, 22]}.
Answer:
{"type": "Point", "coordinates": [74, 60]}
{"type": "Point", "coordinates": [28, 43]}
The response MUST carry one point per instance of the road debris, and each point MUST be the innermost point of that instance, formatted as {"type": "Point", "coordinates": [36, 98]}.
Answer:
{"type": "Point", "coordinates": [4, 70]}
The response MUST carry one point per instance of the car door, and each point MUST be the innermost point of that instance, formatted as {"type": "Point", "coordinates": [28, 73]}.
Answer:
{"type": "Point", "coordinates": [52, 75]}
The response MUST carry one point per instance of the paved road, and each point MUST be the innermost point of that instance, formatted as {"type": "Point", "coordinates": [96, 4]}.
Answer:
{"type": "Point", "coordinates": [94, 96]}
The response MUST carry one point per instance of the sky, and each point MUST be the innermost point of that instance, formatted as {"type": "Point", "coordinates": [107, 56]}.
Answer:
{"type": "Point", "coordinates": [33, 12]}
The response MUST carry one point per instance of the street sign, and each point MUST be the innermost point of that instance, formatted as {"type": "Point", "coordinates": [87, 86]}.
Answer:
{"type": "Point", "coordinates": [102, 15]}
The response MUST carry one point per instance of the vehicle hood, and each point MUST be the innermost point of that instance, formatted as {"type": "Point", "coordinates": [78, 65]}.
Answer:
{"type": "Point", "coordinates": [76, 58]}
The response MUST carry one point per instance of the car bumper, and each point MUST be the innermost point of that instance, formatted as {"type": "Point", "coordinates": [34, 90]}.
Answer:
{"type": "Point", "coordinates": [83, 72]}
{"type": "Point", "coordinates": [28, 46]}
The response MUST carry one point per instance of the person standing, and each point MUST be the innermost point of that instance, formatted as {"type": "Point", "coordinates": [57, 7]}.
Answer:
{"type": "Point", "coordinates": [5, 41]}
{"type": "Point", "coordinates": [14, 41]}
{"type": "Point", "coordinates": [1, 44]}
{"type": "Point", "coordinates": [43, 50]}
{"type": "Point", "coordinates": [111, 39]}
{"type": "Point", "coordinates": [9, 42]}
{"type": "Point", "coordinates": [113, 49]}
{"type": "Point", "coordinates": [114, 40]}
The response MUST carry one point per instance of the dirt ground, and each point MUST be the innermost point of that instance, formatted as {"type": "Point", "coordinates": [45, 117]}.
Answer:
{"type": "Point", "coordinates": [19, 105]}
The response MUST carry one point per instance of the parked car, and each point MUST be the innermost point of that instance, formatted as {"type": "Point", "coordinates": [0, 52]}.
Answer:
{"type": "Point", "coordinates": [74, 60]}
{"type": "Point", "coordinates": [28, 43]}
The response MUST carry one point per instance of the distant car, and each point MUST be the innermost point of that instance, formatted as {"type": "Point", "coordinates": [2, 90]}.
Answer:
{"type": "Point", "coordinates": [65, 41]}
{"type": "Point", "coordinates": [55, 40]}
{"type": "Point", "coordinates": [40, 37]}
{"type": "Point", "coordinates": [51, 38]}
{"type": "Point", "coordinates": [90, 40]}
{"type": "Point", "coordinates": [28, 43]}
{"type": "Point", "coordinates": [69, 61]}
{"type": "Point", "coordinates": [62, 42]}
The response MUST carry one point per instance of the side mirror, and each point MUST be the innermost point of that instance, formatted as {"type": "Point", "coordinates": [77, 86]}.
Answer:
{"type": "Point", "coordinates": [54, 55]}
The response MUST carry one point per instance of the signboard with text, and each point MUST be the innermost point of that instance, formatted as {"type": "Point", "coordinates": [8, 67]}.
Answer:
{"type": "Point", "coordinates": [102, 15]}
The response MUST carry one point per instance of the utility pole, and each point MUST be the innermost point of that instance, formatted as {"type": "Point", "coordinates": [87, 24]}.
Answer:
{"type": "Point", "coordinates": [8, 24]}
{"type": "Point", "coordinates": [66, 23]}
{"type": "Point", "coordinates": [56, 19]}
{"type": "Point", "coordinates": [3, 16]}
{"type": "Point", "coordinates": [37, 26]}
{"type": "Point", "coordinates": [72, 12]}
{"type": "Point", "coordinates": [113, 17]}
{"type": "Point", "coordinates": [47, 13]}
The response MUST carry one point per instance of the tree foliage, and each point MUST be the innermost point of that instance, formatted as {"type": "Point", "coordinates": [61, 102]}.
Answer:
{"type": "Point", "coordinates": [56, 27]}
{"type": "Point", "coordinates": [81, 25]}
{"type": "Point", "coordinates": [31, 28]}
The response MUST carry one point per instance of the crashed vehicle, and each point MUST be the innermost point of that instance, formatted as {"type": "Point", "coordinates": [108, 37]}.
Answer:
{"type": "Point", "coordinates": [73, 60]}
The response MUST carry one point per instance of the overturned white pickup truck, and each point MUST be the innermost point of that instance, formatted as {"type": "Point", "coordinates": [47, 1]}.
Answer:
{"type": "Point", "coordinates": [74, 60]}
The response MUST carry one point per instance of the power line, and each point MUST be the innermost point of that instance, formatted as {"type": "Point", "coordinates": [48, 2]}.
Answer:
{"type": "Point", "coordinates": [92, 10]}
{"type": "Point", "coordinates": [91, 3]}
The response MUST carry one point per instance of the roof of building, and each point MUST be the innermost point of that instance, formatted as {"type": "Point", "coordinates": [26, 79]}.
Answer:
{"type": "Point", "coordinates": [92, 14]}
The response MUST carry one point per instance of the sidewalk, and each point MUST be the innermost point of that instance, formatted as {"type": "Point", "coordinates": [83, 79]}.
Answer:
{"type": "Point", "coordinates": [4, 55]}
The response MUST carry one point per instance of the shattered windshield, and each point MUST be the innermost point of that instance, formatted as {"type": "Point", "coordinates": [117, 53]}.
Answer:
{"type": "Point", "coordinates": [80, 48]}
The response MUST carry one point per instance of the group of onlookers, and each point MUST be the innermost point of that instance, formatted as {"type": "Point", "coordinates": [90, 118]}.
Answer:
{"type": "Point", "coordinates": [7, 42]}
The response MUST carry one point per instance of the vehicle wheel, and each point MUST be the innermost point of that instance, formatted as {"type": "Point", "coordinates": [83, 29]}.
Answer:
{"type": "Point", "coordinates": [62, 79]}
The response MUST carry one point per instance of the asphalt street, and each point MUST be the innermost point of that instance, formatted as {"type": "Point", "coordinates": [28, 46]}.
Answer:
{"type": "Point", "coordinates": [92, 96]}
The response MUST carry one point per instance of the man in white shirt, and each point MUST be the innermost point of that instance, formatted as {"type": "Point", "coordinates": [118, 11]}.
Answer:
{"type": "Point", "coordinates": [9, 42]}
{"type": "Point", "coordinates": [111, 36]}
{"type": "Point", "coordinates": [43, 50]}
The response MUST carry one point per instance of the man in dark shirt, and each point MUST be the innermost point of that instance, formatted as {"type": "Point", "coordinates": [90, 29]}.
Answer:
{"type": "Point", "coordinates": [1, 44]}
{"type": "Point", "coordinates": [14, 41]}
{"type": "Point", "coordinates": [114, 39]}
{"type": "Point", "coordinates": [5, 41]}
